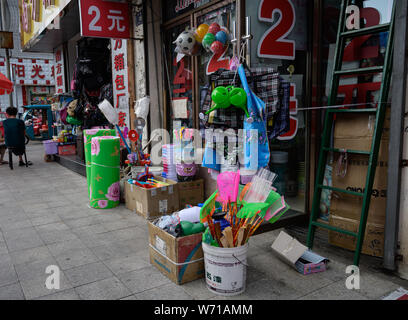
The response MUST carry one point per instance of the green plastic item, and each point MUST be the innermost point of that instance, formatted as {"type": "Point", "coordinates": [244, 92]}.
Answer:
{"type": "Point", "coordinates": [105, 172]}
{"type": "Point", "coordinates": [208, 206]}
{"type": "Point", "coordinates": [208, 239]}
{"type": "Point", "coordinates": [224, 97]}
{"type": "Point", "coordinates": [190, 228]}
{"type": "Point", "coordinates": [251, 209]}
{"type": "Point", "coordinates": [73, 121]}
{"type": "Point", "coordinates": [88, 135]}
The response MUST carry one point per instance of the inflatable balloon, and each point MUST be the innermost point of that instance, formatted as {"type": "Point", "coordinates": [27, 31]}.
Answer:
{"type": "Point", "coordinates": [221, 36]}
{"type": "Point", "coordinates": [214, 28]}
{"type": "Point", "coordinates": [208, 40]}
{"type": "Point", "coordinates": [217, 47]}
{"type": "Point", "coordinates": [185, 42]}
{"type": "Point", "coordinates": [202, 30]}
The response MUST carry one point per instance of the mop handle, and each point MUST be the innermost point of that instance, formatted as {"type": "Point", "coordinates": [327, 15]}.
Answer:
{"type": "Point", "coordinates": [121, 135]}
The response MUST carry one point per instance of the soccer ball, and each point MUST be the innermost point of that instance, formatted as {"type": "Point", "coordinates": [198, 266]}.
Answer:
{"type": "Point", "coordinates": [186, 42]}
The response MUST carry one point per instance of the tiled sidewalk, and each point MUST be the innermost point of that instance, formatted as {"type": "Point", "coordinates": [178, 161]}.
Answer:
{"type": "Point", "coordinates": [103, 254]}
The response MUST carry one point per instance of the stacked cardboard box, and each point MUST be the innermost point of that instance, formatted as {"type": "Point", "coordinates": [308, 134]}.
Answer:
{"type": "Point", "coordinates": [191, 192]}
{"type": "Point", "coordinates": [180, 259]}
{"type": "Point", "coordinates": [354, 131]}
{"type": "Point", "coordinates": [151, 203]}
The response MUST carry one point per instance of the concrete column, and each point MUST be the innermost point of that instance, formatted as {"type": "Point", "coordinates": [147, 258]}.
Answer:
{"type": "Point", "coordinates": [403, 219]}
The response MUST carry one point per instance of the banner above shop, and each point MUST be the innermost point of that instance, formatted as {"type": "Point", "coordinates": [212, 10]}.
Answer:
{"type": "Point", "coordinates": [36, 16]}
{"type": "Point", "coordinates": [37, 72]}
{"type": "Point", "coordinates": [104, 19]}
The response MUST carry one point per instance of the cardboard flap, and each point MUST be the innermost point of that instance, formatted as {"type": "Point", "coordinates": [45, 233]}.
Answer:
{"type": "Point", "coordinates": [313, 257]}
{"type": "Point", "coordinates": [288, 248]}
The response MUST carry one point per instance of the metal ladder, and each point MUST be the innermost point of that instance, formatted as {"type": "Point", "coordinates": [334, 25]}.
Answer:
{"type": "Point", "coordinates": [379, 112]}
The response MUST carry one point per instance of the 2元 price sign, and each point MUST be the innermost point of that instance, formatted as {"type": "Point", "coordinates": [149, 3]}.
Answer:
{"type": "Point", "coordinates": [104, 19]}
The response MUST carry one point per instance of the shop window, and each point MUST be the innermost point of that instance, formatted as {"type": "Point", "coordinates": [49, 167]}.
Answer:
{"type": "Point", "coordinates": [280, 41]}
{"type": "Point", "coordinates": [179, 80]}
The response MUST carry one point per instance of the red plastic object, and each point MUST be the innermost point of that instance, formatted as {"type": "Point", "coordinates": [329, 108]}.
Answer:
{"type": "Point", "coordinates": [67, 150]}
{"type": "Point", "coordinates": [133, 136]}
{"type": "Point", "coordinates": [217, 47]}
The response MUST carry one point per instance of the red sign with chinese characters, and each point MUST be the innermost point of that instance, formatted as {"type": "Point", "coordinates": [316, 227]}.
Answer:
{"type": "Point", "coordinates": [104, 19]}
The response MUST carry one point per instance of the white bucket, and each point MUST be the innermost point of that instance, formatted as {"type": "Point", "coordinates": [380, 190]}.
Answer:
{"type": "Point", "coordinates": [225, 269]}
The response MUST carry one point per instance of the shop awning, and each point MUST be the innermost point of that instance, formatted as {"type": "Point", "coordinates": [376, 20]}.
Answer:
{"type": "Point", "coordinates": [6, 86]}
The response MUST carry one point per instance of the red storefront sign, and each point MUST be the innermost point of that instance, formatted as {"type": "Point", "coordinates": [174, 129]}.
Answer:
{"type": "Point", "coordinates": [104, 19]}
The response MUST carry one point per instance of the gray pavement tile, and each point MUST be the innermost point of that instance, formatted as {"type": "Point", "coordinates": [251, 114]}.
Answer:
{"type": "Point", "coordinates": [7, 275]}
{"type": "Point", "coordinates": [143, 279]}
{"type": "Point", "coordinates": [169, 291]}
{"type": "Point", "coordinates": [125, 265]}
{"type": "Point", "coordinates": [111, 251]}
{"type": "Point", "coordinates": [117, 225]}
{"type": "Point", "coordinates": [50, 237]}
{"type": "Point", "coordinates": [374, 288]}
{"type": "Point", "coordinates": [87, 230]}
{"type": "Point", "coordinates": [335, 291]}
{"type": "Point", "coordinates": [16, 225]}
{"type": "Point", "coordinates": [69, 294]}
{"type": "Point", "coordinates": [5, 260]}
{"type": "Point", "coordinates": [59, 248]}
{"type": "Point", "coordinates": [46, 219]}
{"type": "Point", "coordinates": [88, 273]}
{"type": "Point", "coordinates": [198, 289]}
{"type": "Point", "coordinates": [30, 255]}
{"type": "Point", "coordinates": [11, 292]}
{"type": "Point", "coordinates": [132, 297]}
{"type": "Point", "coordinates": [56, 226]}
{"type": "Point", "coordinates": [33, 207]}
{"type": "Point", "coordinates": [107, 289]}
{"type": "Point", "coordinates": [36, 288]}
{"type": "Point", "coordinates": [19, 233]}
{"type": "Point", "coordinates": [34, 270]}
{"type": "Point", "coordinates": [75, 257]}
{"type": "Point", "coordinates": [81, 222]}
{"type": "Point", "coordinates": [127, 234]}
{"type": "Point", "coordinates": [267, 289]}
{"type": "Point", "coordinates": [24, 242]}
{"type": "Point", "coordinates": [3, 248]}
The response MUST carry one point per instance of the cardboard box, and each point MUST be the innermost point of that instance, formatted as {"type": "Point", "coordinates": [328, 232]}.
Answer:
{"type": "Point", "coordinates": [151, 203]}
{"type": "Point", "coordinates": [373, 244]}
{"type": "Point", "coordinates": [180, 259]}
{"type": "Point", "coordinates": [191, 192]}
{"type": "Point", "coordinates": [297, 255]}
{"type": "Point", "coordinates": [349, 206]}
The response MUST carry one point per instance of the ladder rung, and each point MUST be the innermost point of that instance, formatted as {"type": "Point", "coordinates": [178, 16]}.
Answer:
{"type": "Point", "coordinates": [367, 110]}
{"type": "Point", "coordinates": [347, 151]}
{"type": "Point", "coordinates": [353, 193]}
{"type": "Point", "coordinates": [365, 31]}
{"type": "Point", "coordinates": [327, 226]}
{"type": "Point", "coordinates": [359, 71]}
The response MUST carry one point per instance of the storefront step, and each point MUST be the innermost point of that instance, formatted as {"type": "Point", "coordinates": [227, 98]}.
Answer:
{"type": "Point", "coordinates": [72, 163]}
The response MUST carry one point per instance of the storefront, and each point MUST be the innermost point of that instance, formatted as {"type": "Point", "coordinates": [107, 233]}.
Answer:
{"type": "Point", "coordinates": [91, 61]}
{"type": "Point", "coordinates": [297, 39]}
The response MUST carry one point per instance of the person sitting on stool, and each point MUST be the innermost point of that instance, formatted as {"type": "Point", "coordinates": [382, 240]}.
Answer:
{"type": "Point", "coordinates": [14, 134]}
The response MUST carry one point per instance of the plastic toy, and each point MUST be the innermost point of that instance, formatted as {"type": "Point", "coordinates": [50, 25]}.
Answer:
{"type": "Point", "coordinates": [217, 47]}
{"type": "Point", "coordinates": [224, 97]}
{"type": "Point", "coordinates": [201, 32]}
{"type": "Point", "coordinates": [222, 37]}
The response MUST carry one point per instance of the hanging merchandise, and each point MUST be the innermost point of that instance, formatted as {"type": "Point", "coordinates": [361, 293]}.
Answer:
{"type": "Point", "coordinates": [255, 130]}
{"type": "Point", "coordinates": [224, 97]}
{"type": "Point", "coordinates": [186, 43]}
{"type": "Point", "coordinates": [216, 39]}
{"type": "Point", "coordinates": [105, 172]}
{"type": "Point", "coordinates": [201, 31]}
